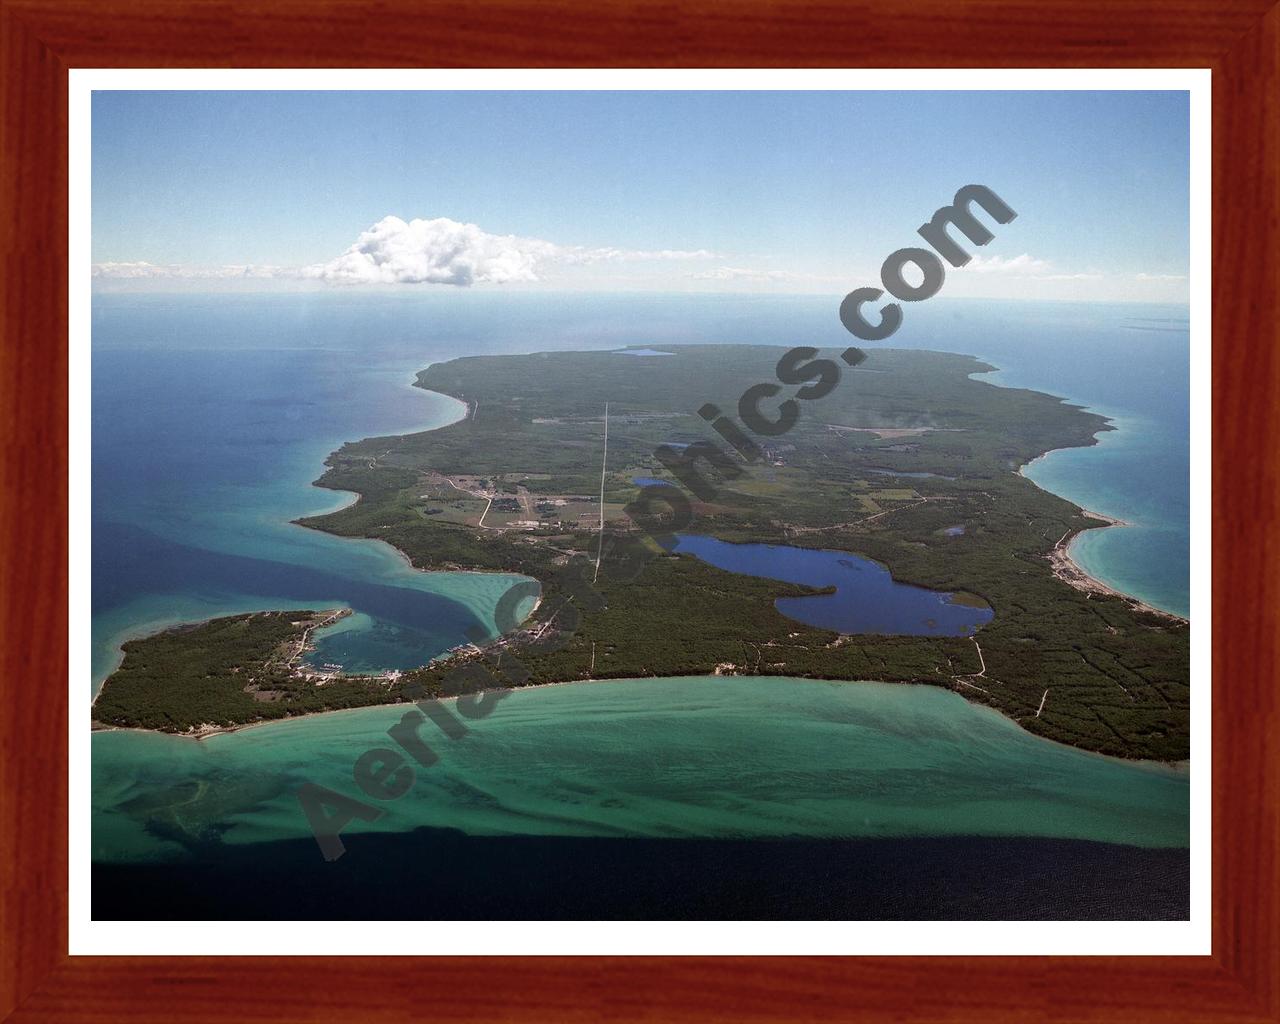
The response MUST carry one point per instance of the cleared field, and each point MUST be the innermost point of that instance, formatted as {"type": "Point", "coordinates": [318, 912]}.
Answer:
{"type": "Point", "coordinates": [1119, 673]}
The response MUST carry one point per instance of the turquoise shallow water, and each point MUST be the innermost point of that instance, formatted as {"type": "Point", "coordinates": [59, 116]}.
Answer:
{"type": "Point", "coordinates": [1129, 363]}
{"type": "Point", "coordinates": [212, 417]}
{"type": "Point", "coordinates": [203, 457]}
{"type": "Point", "coordinates": [720, 757]}
{"type": "Point", "coordinates": [1147, 556]}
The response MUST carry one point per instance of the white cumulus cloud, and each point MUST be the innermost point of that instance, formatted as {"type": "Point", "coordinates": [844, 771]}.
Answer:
{"type": "Point", "coordinates": [444, 251]}
{"type": "Point", "coordinates": [436, 251]}
{"type": "Point", "coordinates": [439, 251]}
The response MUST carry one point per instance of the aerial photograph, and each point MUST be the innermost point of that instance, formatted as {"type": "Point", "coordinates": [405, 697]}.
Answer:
{"type": "Point", "coordinates": [640, 505]}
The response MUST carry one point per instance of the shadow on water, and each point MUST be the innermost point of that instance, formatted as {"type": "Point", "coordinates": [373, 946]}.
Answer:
{"type": "Point", "coordinates": [441, 874]}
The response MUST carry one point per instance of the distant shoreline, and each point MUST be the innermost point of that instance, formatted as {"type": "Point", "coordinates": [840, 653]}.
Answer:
{"type": "Point", "coordinates": [1061, 567]}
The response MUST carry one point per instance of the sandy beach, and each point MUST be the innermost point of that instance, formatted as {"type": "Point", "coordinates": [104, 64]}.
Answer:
{"type": "Point", "coordinates": [1069, 571]}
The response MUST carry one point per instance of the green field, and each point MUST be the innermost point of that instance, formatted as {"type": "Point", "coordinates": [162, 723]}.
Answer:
{"type": "Point", "coordinates": [1117, 675]}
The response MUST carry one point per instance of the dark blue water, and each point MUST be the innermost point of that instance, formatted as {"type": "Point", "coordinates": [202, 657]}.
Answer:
{"type": "Point", "coordinates": [867, 598]}
{"type": "Point", "coordinates": [1128, 362]}
{"type": "Point", "coordinates": [212, 415]}
{"type": "Point", "coordinates": [381, 878]}
{"type": "Point", "coordinates": [210, 420]}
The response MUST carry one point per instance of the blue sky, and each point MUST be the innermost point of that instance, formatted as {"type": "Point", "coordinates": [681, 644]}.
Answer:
{"type": "Point", "coordinates": [692, 191]}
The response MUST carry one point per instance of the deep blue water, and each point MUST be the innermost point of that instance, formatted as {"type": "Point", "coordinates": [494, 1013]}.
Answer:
{"type": "Point", "coordinates": [1128, 362]}
{"type": "Point", "coordinates": [212, 415]}
{"type": "Point", "coordinates": [867, 598]}
{"type": "Point", "coordinates": [209, 424]}
{"type": "Point", "coordinates": [945, 878]}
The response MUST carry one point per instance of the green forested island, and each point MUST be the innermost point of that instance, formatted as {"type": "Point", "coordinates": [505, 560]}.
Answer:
{"type": "Point", "coordinates": [910, 461]}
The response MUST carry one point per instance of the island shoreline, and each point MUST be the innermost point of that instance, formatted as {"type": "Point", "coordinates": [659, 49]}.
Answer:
{"type": "Point", "coordinates": [1071, 572]}
{"type": "Point", "coordinates": [1183, 765]}
{"type": "Point", "coordinates": [1063, 567]}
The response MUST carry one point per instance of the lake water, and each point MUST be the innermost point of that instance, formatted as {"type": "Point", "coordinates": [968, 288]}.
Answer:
{"type": "Point", "coordinates": [212, 416]}
{"type": "Point", "coordinates": [867, 599]}
{"type": "Point", "coordinates": [706, 756]}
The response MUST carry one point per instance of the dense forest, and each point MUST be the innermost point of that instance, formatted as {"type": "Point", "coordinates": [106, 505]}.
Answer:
{"type": "Point", "coordinates": [222, 673]}
{"type": "Point", "coordinates": [907, 448]}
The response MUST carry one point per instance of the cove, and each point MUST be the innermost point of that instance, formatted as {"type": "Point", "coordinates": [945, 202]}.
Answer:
{"type": "Point", "coordinates": [867, 598]}
{"type": "Point", "coordinates": [202, 457]}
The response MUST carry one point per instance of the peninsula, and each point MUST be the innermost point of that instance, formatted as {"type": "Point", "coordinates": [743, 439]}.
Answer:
{"type": "Point", "coordinates": [911, 463]}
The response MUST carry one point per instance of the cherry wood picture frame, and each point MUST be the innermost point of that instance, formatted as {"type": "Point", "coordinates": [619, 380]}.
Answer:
{"type": "Point", "coordinates": [40, 40]}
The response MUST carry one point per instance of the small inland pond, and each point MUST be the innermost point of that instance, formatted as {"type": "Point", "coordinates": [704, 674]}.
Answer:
{"type": "Point", "coordinates": [867, 598]}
